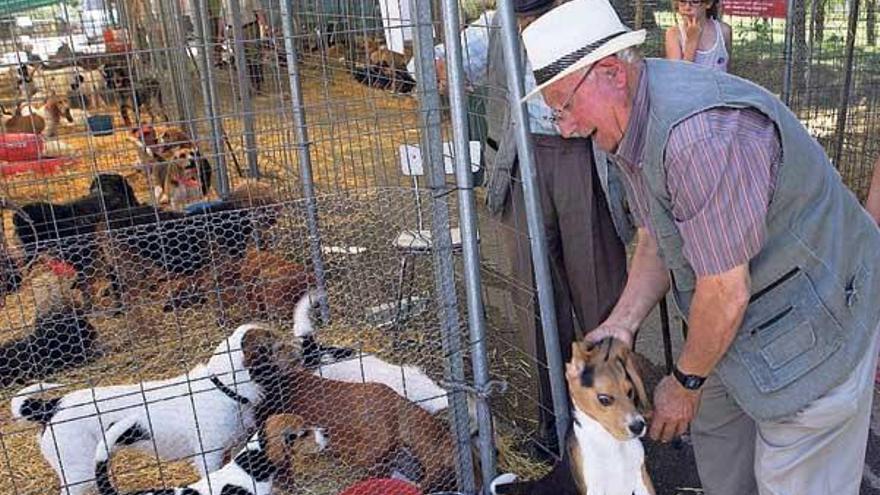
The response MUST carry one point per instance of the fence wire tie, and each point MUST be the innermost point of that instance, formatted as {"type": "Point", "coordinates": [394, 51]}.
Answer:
{"type": "Point", "coordinates": [439, 192]}
{"type": "Point", "coordinates": [492, 387]}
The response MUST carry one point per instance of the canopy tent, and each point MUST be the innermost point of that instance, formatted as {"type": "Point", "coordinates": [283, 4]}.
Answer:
{"type": "Point", "coordinates": [10, 7]}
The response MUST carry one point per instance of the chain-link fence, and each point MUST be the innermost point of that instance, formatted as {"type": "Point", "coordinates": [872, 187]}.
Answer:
{"type": "Point", "coordinates": [205, 164]}
{"type": "Point", "coordinates": [221, 167]}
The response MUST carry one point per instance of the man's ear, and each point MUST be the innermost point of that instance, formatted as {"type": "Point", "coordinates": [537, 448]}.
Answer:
{"type": "Point", "coordinates": [612, 68]}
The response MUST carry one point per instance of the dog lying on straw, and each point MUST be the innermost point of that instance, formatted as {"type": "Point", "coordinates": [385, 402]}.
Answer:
{"type": "Point", "coordinates": [251, 472]}
{"type": "Point", "coordinates": [371, 426]}
{"type": "Point", "coordinates": [197, 415]}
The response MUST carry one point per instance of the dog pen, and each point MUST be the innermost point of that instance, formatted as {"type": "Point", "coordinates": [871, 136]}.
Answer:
{"type": "Point", "coordinates": [334, 167]}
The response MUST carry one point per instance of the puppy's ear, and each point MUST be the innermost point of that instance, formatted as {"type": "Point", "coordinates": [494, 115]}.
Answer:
{"type": "Point", "coordinates": [575, 366]}
{"type": "Point", "coordinates": [258, 347]}
{"type": "Point", "coordinates": [632, 370]}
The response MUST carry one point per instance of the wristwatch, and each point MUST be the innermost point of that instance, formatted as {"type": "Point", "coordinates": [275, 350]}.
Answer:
{"type": "Point", "coordinates": [690, 382]}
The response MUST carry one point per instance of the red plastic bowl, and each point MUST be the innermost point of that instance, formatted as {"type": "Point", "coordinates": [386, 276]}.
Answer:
{"type": "Point", "coordinates": [46, 166]}
{"type": "Point", "coordinates": [18, 146]}
{"type": "Point", "coordinates": [382, 486]}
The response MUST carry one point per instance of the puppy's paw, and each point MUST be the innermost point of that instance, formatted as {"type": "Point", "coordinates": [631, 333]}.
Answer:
{"type": "Point", "coordinates": [502, 479]}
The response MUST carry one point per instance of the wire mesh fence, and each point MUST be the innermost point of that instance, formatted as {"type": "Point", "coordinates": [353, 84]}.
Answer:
{"type": "Point", "coordinates": [178, 212]}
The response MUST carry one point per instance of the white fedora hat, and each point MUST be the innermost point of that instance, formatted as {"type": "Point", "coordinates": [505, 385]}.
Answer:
{"type": "Point", "coordinates": [573, 36]}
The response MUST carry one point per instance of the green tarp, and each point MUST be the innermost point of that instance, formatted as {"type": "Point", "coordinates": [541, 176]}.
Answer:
{"type": "Point", "coordinates": [10, 7]}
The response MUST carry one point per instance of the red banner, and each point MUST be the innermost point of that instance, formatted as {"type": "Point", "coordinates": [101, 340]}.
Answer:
{"type": "Point", "coordinates": [755, 8]}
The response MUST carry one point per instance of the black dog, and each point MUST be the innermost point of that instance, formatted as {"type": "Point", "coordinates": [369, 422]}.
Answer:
{"type": "Point", "coordinates": [179, 245]}
{"type": "Point", "coordinates": [62, 338]}
{"type": "Point", "coordinates": [67, 230]}
{"type": "Point", "coordinates": [383, 76]}
{"type": "Point", "coordinates": [144, 95]}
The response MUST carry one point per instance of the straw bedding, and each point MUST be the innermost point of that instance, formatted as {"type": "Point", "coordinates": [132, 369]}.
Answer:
{"type": "Point", "coordinates": [355, 132]}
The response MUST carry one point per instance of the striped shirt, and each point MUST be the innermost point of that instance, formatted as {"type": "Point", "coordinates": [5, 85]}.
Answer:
{"type": "Point", "coordinates": [720, 173]}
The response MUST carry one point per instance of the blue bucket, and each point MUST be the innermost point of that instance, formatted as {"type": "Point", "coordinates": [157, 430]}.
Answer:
{"type": "Point", "coordinates": [100, 125]}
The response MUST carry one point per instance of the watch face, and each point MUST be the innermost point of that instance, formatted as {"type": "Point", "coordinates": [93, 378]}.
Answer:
{"type": "Point", "coordinates": [692, 382]}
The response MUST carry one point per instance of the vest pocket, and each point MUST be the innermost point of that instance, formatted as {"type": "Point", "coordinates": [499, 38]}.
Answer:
{"type": "Point", "coordinates": [787, 331]}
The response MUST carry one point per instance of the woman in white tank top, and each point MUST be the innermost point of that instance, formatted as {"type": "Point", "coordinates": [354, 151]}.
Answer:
{"type": "Point", "coordinates": [699, 36]}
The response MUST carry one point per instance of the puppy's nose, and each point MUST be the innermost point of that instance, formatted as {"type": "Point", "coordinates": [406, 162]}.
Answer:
{"type": "Point", "coordinates": [638, 427]}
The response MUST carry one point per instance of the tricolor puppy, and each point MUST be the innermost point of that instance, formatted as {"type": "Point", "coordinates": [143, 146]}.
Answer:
{"type": "Point", "coordinates": [207, 410]}
{"type": "Point", "coordinates": [252, 471]}
{"type": "Point", "coordinates": [603, 454]}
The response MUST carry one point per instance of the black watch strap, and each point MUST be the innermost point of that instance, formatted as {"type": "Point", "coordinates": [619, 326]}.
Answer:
{"type": "Point", "coordinates": [690, 382]}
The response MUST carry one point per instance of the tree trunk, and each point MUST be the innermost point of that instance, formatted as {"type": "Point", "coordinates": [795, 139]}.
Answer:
{"type": "Point", "coordinates": [871, 21]}
{"type": "Point", "coordinates": [819, 22]}
{"type": "Point", "coordinates": [640, 14]}
{"type": "Point", "coordinates": [799, 46]}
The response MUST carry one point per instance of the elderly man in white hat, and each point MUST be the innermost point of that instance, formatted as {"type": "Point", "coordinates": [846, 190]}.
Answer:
{"type": "Point", "coordinates": [583, 230]}
{"type": "Point", "coordinates": [769, 256]}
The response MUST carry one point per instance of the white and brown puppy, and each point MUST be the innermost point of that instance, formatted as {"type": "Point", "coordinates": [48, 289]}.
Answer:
{"type": "Point", "coordinates": [43, 118]}
{"type": "Point", "coordinates": [348, 365]}
{"type": "Point", "coordinates": [251, 471]}
{"type": "Point", "coordinates": [604, 453]}
{"type": "Point", "coordinates": [205, 410]}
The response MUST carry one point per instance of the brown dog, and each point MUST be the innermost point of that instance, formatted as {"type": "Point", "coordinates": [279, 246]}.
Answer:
{"type": "Point", "coordinates": [266, 286]}
{"type": "Point", "coordinates": [38, 118]}
{"type": "Point", "coordinates": [369, 425]}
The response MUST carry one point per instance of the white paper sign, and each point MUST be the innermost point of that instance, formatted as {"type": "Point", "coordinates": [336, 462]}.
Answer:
{"type": "Point", "coordinates": [411, 158]}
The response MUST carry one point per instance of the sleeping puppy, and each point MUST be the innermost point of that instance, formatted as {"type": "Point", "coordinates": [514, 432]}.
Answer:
{"type": "Point", "coordinates": [266, 286]}
{"type": "Point", "coordinates": [251, 471]}
{"type": "Point", "coordinates": [197, 415]}
{"type": "Point", "coordinates": [173, 164]}
{"type": "Point", "coordinates": [182, 255]}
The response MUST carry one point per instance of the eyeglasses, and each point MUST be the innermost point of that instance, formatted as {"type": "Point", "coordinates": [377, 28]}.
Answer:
{"type": "Point", "coordinates": [557, 112]}
{"type": "Point", "coordinates": [693, 3]}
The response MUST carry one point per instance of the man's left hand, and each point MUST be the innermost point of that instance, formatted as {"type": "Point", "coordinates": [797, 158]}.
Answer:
{"type": "Point", "coordinates": [674, 408]}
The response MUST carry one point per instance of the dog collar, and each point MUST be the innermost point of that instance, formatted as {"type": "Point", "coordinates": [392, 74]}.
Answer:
{"type": "Point", "coordinates": [228, 391]}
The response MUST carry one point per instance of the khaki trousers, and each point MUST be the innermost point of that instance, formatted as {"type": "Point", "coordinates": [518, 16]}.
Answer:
{"type": "Point", "coordinates": [818, 451]}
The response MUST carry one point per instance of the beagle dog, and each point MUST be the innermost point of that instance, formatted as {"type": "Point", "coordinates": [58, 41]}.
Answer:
{"type": "Point", "coordinates": [251, 471]}
{"type": "Point", "coordinates": [603, 453]}
{"type": "Point", "coordinates": [197, 415]}
{"type": "Point", "coordinates": [173, 164]}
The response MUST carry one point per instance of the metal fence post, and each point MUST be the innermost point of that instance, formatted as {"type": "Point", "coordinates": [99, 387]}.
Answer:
{"type": "Point", "coordinates": [540, 261]}
{"type": "Point", "coordinates": [244, 88]}
{"type": "Point", "coordinates": [183, 78]}
{"type": "Point", "coordinates": [432, 154]}
{"type": "Point", "coordinates": [470, 245]}
{"type": "Point", "coordinates": [303, 150]}
{"type": "Point", "coordinates": [209, 95]}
